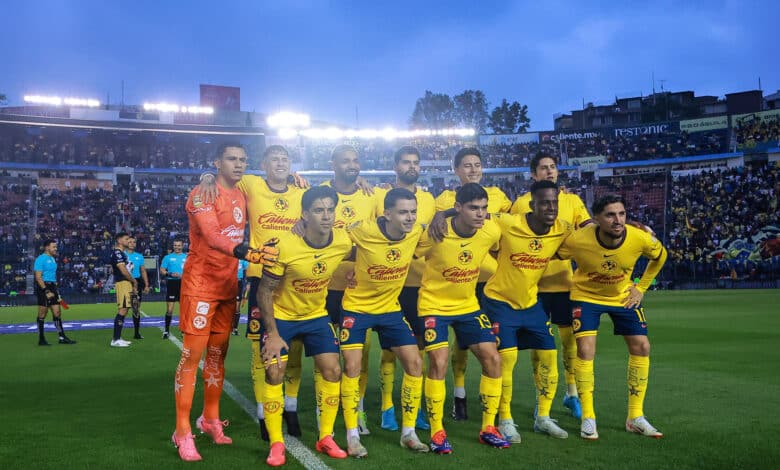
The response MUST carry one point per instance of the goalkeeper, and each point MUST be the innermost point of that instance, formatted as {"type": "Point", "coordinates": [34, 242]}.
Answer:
{"type": "Point", "coordinates": [208, 293]}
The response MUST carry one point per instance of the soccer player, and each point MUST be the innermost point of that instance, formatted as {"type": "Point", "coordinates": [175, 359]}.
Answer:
{"type": "Point", "coordinates": [135, 262]}
{"type": "Point", "coordinates": [448, 298]}
{"type": "Point", "coordinates": [274, 205]}
{"type": "Point", "coordinates": [172, 267]}
{"type": "Point", "coordinates": [45, 268]}
{"type": "Point", "coordinates": [208, 296]}
{"type": "Point", "coordinates": [353, 206]}
{"type": "Point", "coordinates": [467, 165]}
{"type": "Point", "coordinates": [292, 297]}
{"type": "Point", "coordinates": [555, 284]}
{"type": "Point", "coordinates": [528, 241]}
{"type": "Point", "coordinates": [606, 254]}
{"type": "Point", "coordinates": [242, 293]}
{"type": "Point", "coordinates": [385, 248]}
{"type": "Point", "coordinates": [125, 285]}
{"type": "Point", "coordinates": [407, 171]}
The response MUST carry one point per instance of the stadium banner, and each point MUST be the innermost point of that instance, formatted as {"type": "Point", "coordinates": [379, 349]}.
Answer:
{"type": "Point", "coordinates": [742, 124]}
{"type": "Point", "coordinates": [509, 139]}
{"type": "Point", "coordinates": [435, 164]}
{"type": "Point", "coordinates": [647, 129]}
{"type": "Point", "coordinates": [738, 120]}
{"type": "Point", "coordinates": [704, 124]}
{"type": "Point", "coordinates": [221, 98]}
{"type": "Point", "coordinates": [556, 136]}
{"type": "Point", "coordinates": [588, 162]}
{"type": "Point", "coordinates": [66, 184]}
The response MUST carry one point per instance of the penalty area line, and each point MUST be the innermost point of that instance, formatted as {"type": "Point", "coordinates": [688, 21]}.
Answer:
{"type": "Point", "coordinates": [294, 446]}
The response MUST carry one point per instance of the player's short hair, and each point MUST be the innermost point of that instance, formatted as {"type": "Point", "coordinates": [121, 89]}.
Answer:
{"type": "Point", "coordinates": [604, 201]}
{"type": "Point", "coordinates": [538, 158]}
{"type": "Point", "coordinates": [405, 150]}
{"type": "Point", "coordinates": [470, 192]}
{"type": "Point", "coordinates": [340, 150]}
{"type": "Point", "coordinates": [121, 235]}
{"type": "Point", "coordinates": [462, 153]}
{"type": "Point", "coordinates": [275, 149]}
{"type": "Point", "coordinates": [225, 145]}
{"type": "Point", "coordinates": [397, 194]}
{"type": "Point", "coordinates": [179, 240]}
{"type": "Point", "coordinates": [543, 184]}
{"type": "Point", "coordinates": [48, 242]}
{"type": "Point", "coordinates": [318, 192]}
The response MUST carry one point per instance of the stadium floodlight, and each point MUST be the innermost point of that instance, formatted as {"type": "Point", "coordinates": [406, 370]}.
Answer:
{"type": "Point", "coordinates": [287, 133]}
{"type": "Point", "coordinates": [289, 120]}
{"type": "Point", "coordinates": [57, 101]}
{"type": "Point", "coordinates": [388, 133]}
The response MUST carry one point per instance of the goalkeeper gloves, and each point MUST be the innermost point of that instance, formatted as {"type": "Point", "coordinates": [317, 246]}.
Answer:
{"type": "Point", "coordinates": [265, 255]}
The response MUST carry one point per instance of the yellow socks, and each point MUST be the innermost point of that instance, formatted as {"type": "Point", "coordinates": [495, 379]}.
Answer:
{"type": "Point", "coordinates": [411, 390]}
{"type": "Point", "coordinates": [508, 361]}
{"type": "Point", "coordinates": [329, 408]}
{"type": "Point", "coordinates": [350, 398]}
{"type": "Point", "coordinates": [569, 347]}
{"type": "Point", "coordinates": [583, 371]}
{"type": "Point", "coordinates": [489, 396]}
{"type": "Point", "coordinates": [272, 407]}
{"type": "Point", "coordinates": [638, 372]}
{"type": "Point", "coordinates": [258, 372]}
{"type": "Point", "coordinates": [546, 379]}
{"type": "Point", "coordinates": [364, 366]}
{"type": "Point", "coordinates": [386, 378]}
{"type": "Point", "coordinates": [292, 375]}
{"type": "Point", "coordinates": [435, 393]}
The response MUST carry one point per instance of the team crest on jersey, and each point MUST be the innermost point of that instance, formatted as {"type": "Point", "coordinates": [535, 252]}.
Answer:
{"type": "Point", "coordinates": [271, 406]}
{"type": "Point", "coordinates": [465, 257]}
{"type": "Point", "coordinates": [344, 335]}
{"type": "Point", "coordinates": [281, 204]}
{"type": "Point", "coordinates": [347, 212]}
{"type": "Point", "coordinates": [535, 245]}
{"type": "Point", "coordinates": [238, 215]}
{"type": "Point", "coordinates": [254, 325]}
{"type": "Point", "coordinates": [202, 308]}
{"type": "Point", "coordinates": [430, 335]}
{"type": "Point", "coordinates": [319, 268]}
{"type": "Point", "coordinates": [608, 265]}
{"type": "Point", "coordinates": [576, 324]}
{"type": "Point", "coordinates": [197, 201]}
{"type": "Point", "coordinates": [393, 255]}
{"type": "Point", "coordinates": [199, 322]}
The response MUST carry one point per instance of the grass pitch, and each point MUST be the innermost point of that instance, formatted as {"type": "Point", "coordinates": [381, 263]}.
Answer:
{"type": "Point", "coordinates": [712, 392]}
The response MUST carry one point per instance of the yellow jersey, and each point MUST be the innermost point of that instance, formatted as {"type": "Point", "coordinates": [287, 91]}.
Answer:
{"type": "Point", "coordinates": [381, 266]}
{"type": "Point", "coordinates": [571, 209]}
{"type": "Point", "coordinates": [351, 208]}
{"type": "Point", "coordinates": [497, 202]}
{"type": "Point", "coordinates": [305, 272]}
{"type": "Point", "coordinates": [523, 257]}
{"type": "Point", "coordinates": [603, 274]}
{"type": "Point", "coordinates": [426, 208]}
{"type": "Point", "coordinates": [452, 268]}
{"type": "Point", "coordinates": [271, 213]}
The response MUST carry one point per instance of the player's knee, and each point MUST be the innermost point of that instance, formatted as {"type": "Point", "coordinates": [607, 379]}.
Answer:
{"type": "Point", "coordinates": [413, 364]}
{"type": "Point", "coordinates": [352, 366]}
{"type": "Point", "coordinates": [332, 372]}
{"type": "Point", "coordinates": [639, 347]}
{"type": "Point", "coordinates": [437, 364]}
{"type": "Point", "coordinates": [491, 363]}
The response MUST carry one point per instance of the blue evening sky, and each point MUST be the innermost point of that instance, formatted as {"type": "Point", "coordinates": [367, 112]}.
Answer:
{"type": "Point", "coordinates": [330, 58]}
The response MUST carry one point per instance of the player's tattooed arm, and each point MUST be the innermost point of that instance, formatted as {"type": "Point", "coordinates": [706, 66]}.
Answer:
{"type": "Point", "coordinates": [437, 230]}
{"type": "Point", "coordinates": [273, 344]}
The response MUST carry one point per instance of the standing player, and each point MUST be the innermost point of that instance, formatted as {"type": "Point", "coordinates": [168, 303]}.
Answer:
{"type": "Point", "coordinates": [448, 298]}
{"type": "Point", "coordinates": [172, 267]}
{"type": "Point", "coordinates": [467, 165]}
{"type": "Point", "coordinates": [242, 293]}
{"type": "Point", "coordinates": [606, 254]}
{"type": "Point", "coordinates": [45, 268]}
{"type": "Point", "coordinates": [292, 298]}
{"type": "Point", "coordinates": [125, 286]}
{"type": "Point", "coordinates": [555, 284]}
{"type": "Point", "coordinates": [208, 294]}
{"type": "Point", "coordinates": [528, 241]}
{"type": "Point", "coordinates": [135, 262]}
{"type": "Point", "coordinates": [407, 170]}
{"type": "Point", "coordinates": [353, 206]}
{"type": "Point", "coordinates": [385, 248]}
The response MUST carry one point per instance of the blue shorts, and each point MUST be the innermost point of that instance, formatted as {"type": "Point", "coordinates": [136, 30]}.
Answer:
{"type": "Point", "coordinates": [392, 328]}
{"type": "Point", "coordinates": [586, 317]}
{"type": "Point", "coordinates": [558, 307]}
{"type": "Point", "coordinates": [470, 328]}
{"type": "Point", "coordinates": [318, 335]}
{"type": "Point", "coordinates": [519, 329]}
{"type": "Point", "coordinates": [408, 301]}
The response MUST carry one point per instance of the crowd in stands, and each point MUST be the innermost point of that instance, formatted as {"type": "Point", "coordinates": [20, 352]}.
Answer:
{"type": "Point", "coordinates": [749, 133]}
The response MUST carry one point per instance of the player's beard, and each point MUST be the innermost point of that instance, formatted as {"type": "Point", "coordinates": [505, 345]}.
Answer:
{"type": "Point", "coordinates": [407, 178]}
{"type": "Point", "coordinates": [349, 179]}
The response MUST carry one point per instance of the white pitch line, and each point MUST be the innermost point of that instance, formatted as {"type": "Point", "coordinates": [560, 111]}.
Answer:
{"type": "Point", "coordinates": [302, 454]}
